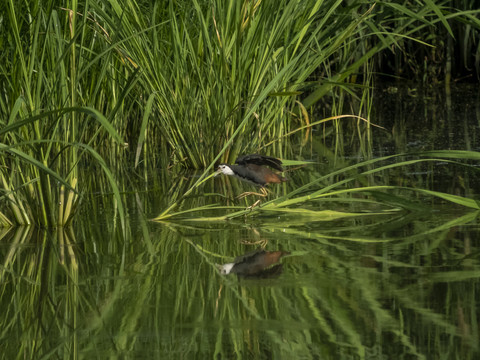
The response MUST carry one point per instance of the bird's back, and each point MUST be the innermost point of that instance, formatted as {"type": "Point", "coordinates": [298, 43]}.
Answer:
{"type": "Point", "coordinates": [257, 159]}
{"type": "Point", "coordinates": [257, 174]}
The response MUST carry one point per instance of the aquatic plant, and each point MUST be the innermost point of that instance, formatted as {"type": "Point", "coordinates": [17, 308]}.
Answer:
{"type": "Point", "coordinates": [181, 85]}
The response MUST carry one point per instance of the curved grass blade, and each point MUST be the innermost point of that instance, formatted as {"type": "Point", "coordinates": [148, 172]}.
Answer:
{"type": "Point", "coordinates": [31, 160]}
{"type": "Point", "coordinates": [289, 199]}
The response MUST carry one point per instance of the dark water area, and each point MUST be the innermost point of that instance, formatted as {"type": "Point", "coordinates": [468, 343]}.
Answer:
{"type": "Point", "coordinates": [428, 119]}
{"type": "Point", "coordinates": [322, 284]}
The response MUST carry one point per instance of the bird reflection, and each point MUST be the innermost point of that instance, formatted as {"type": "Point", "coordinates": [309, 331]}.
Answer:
{"type": "Point", "coordinates": [257, 264]}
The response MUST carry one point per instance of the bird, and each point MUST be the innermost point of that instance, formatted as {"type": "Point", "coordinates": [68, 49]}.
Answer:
{"type": "Point", "coordinates": [254, 169]}
{"type": "Point", "coordinates": [259, 263]}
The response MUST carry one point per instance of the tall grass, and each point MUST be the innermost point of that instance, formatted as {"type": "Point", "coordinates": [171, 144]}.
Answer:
{"type": "Point", "coordinates": [47, 129]}
{"type": "Point", "coordinates": [454, 54]}
{"type": "Point", "coordinates": [193, 81]}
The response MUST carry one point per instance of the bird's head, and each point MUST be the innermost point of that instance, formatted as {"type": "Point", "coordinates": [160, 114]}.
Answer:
{"type": "Point", "coordinates": [225, 169]}
{"type": "Point", "coordinates": [225, 269]}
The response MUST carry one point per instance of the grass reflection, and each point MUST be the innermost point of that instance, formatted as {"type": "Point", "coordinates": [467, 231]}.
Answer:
{"type": "Point", "coordinates": [411, 291]}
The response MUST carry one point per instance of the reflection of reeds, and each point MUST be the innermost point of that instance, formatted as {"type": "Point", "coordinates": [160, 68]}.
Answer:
{"type": "Point", "coordinates": [351, 285]}
{"type": "Point", "coordinates": [39, 287]}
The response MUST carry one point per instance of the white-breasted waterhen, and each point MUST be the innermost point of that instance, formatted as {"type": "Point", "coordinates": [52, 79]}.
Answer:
{"type": "Point", "coordinates": [254, 169]}
{"type": "Point", "coordinates": [259, 263]}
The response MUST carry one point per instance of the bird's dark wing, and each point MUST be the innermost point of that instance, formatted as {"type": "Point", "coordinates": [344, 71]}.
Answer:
{"type": "Point", "coordinates": [250, 173]}
{"type": "Point", "coordinates": [260, 160]}
{"type": "Point", "coordinates": [249, 257]}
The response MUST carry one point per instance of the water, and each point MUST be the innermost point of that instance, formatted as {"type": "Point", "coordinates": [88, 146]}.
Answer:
{"type": "Point", "coordinates": [396, 281]}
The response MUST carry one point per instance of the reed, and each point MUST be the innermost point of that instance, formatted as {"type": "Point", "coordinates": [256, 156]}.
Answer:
{"type": "Point", "coordinates": [47, 130]}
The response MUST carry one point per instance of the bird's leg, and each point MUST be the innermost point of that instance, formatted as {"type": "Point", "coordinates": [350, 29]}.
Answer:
{"type": "Point", "coordinates": [262, 242]}
{"type": "Point", "coordinates": [262, 189]}
{"type": "Point", "coordinates": [241, 196]}
{"type": "Point", "coordinates": [254, 204]}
